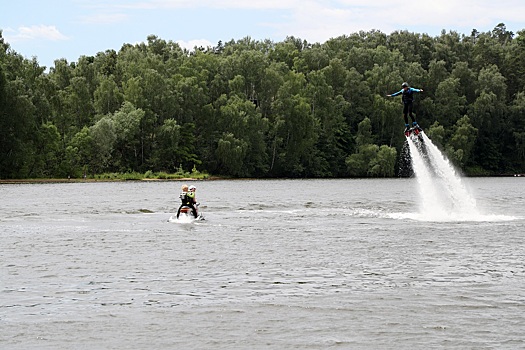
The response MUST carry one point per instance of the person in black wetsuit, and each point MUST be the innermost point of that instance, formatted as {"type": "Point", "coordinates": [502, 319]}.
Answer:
{"type": "Point", "coordinates": [408, 99]}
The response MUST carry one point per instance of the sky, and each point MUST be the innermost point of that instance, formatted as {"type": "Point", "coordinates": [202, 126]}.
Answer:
{"type": "Point", "coordinates": [55, 29]}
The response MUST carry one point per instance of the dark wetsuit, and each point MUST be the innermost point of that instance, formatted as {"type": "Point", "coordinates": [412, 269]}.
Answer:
{"type": "Point", "coordinates": [188, 200]}
{"type": "Point", "coordinates": [408, 99]}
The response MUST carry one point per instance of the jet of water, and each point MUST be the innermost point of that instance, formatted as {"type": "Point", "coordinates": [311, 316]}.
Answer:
{"type": "Point", "coordinates": [443, 194]}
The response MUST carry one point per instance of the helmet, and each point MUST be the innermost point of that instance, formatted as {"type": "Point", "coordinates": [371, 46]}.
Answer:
{"type": "Point", "coordinates": [192, 188]}
{"type": "Point", "coordinates": [404, 85]}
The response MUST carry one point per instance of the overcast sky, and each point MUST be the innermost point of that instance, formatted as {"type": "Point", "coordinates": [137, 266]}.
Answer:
{"type": "Point", "coordinates": [56, 29]}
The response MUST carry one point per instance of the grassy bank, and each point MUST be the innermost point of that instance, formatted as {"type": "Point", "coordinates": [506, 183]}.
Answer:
{"type": "Point", "coordinates": [149, 175]}
{"type": "Point", "coordinates": [131, 176]}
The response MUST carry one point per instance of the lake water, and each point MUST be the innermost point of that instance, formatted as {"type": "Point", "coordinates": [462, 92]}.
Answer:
{"type": "Point", "coordinates": [277, 264]}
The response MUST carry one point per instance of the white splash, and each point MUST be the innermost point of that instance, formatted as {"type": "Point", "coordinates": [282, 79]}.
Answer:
{"type": "Point", "coordinates": [444, 196]}
{"type": "Point", "coordinates": [183, 219]}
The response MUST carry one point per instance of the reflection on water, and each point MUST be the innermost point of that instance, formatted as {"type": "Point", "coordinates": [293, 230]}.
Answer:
{"type": "Point", "coordinates": [276, 264]}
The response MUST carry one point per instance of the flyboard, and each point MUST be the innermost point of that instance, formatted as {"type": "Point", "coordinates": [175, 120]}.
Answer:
{"type": "Point", "coordinates": [415, 141]}
{"type": "Point", "coordinates": [415, 135]}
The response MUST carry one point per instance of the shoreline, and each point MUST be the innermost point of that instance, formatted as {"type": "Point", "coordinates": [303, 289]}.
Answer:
{"type": "Point", "coordinates": [210, 178]}
{"type": "Point", "coordinates": [43, 181]}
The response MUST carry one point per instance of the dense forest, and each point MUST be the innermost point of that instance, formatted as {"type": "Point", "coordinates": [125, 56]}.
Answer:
{"type": "Point", "coordinates": [251, 108]}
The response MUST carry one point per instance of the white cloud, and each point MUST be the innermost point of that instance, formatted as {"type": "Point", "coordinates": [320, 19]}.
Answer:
{"type": "Point", "coordinates": [191, 44]}
{"type": "Point", "coordinates": [222, 4]}
{"type": "Point", "coordinates": [453, 15]}
{"type": "Point", "coordinates": [40, 32]}
{"type": "Point", "coordinates": [104, 18]}
{"type": "Point", "coordinates": [316, 20]}
{"type": "Point", "coordinates": [319, 20]}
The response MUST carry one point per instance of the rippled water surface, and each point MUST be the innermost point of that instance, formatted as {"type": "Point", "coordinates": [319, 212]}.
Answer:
{"type": "Point", "coordinates": [277, 264]}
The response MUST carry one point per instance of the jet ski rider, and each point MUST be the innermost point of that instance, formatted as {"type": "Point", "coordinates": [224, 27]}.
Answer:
{"type": "Point", "coordinates": [187, 198]}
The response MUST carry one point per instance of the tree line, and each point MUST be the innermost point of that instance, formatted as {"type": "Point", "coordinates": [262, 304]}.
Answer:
{"type": "Point", "coordinates": [258, 108]}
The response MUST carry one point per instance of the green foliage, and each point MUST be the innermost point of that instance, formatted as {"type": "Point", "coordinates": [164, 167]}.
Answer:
{"type": "Point", "coordinates": [449, 104]}
{"type": "Point", "coordinates": [107, 97]}
{"type": "Point", "coordinates": [150, 175]}
{"type": "Point", "coordinates": [230, 154]}
{"type": "Point", "coordinates": [370, 159]}
{"type": "Point", "coordinates": [251, 108]}
{"type": "Point", "coordinates": [383, 164]}
{"type": "Point", "coordinates": [462, 141]}
{"type": "Point", "coordinates": [437, 133]}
